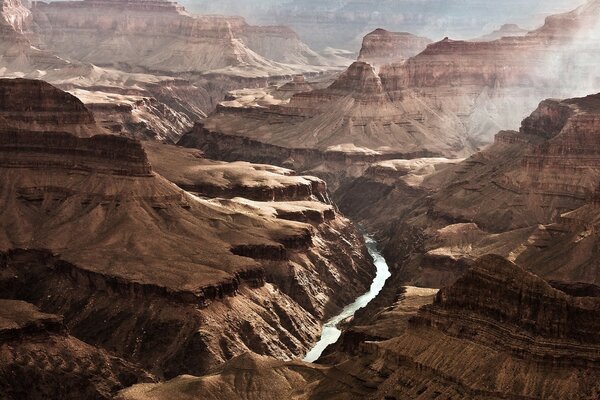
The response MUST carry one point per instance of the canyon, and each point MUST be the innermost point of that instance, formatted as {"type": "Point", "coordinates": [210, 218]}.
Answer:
{"type": "Point", "coordinates": [141, 86]}
{"type": "Point", "coordinates": [195, 206]}
{"type": "Point", "coordinates": [154, 274]}
{"type": "Point", "coordinates": [449, 100]}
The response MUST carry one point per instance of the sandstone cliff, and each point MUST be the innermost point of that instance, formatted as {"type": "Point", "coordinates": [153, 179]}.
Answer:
{"type": "Point", "coordinates": [162, 37]}
{"type": "Point", "coordinates": [448, 100]}
{"type": "Point", "coordinates": [531, 197]}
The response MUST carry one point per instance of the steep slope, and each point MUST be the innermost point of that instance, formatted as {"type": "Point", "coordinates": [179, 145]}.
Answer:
{"type": "Point", "coordinates": [531, 197]}
{"type": "Point", "coordinates": [156, 275]}
{"type": "Point", "coordinates": [137, 105]}
{"type": "Point", "coordinates": [383, 47]}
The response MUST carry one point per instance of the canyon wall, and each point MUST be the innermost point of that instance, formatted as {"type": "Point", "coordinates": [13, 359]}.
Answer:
{"type": "Point", "coordinates": [162, 278]}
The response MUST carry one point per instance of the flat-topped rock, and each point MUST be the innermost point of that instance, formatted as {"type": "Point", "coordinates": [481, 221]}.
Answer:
{"type": "Point", "coordinates": [384, 47]}
{"type": "Point", "coordinates": [191, 171]}
{"type": "Point", "coordinates": [116, 34]}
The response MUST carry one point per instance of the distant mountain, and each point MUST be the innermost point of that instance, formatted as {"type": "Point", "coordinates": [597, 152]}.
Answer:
{"type": "Point", "coordinates": [343, 23]}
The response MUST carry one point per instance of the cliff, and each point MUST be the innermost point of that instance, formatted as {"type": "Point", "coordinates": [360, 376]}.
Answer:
{"type": "Point", "coordinates": [499, 332]}
{"type": "Point", "coordinates": [448, 100]}
{"type": "Point", "coordinates": [38, 106]}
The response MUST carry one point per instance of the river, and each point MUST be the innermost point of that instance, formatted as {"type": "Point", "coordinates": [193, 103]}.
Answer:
{"type": "Point", "coordinates": [331, 333]}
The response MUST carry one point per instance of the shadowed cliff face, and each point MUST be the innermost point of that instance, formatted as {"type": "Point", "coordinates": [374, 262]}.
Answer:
{"type": "Point", "coordinates": [41, 360]}
{"type": "Point", "coordinates": [154, 274]}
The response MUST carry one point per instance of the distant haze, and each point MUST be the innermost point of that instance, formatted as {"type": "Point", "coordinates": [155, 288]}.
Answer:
{"type": "Point", "coordinates": [342, 23]}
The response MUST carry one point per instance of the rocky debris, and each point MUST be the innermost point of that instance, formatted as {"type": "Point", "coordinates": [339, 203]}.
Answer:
{"type": "Point", "coordinates": [383, 47]}
{"type": "Point", "coordinates": [41, 360]}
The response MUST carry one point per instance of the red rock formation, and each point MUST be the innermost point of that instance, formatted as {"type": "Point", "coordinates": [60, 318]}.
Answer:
{"type": "Point", "coordinates": [38, 106]}
{"type": "Point", "coordinates": [447, 100]}
{"type": "Point", "coordinates": [499, 332]}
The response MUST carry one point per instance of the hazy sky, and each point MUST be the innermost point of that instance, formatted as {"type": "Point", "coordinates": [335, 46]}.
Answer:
{"type": "Point", "coordinates": [345, 21]}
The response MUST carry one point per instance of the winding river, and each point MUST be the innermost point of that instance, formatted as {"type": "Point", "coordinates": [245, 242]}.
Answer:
{"type": "Point", "coordinates": [331, 333]}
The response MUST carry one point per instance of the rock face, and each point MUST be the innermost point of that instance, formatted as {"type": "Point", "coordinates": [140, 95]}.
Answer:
{"type": "Point", "coordinates": [530, 197]}
{"type": "Point", "coordinates": [134, 91]}
{"type": "Point", "coordinates": [341, 23]}
{"type": "Point", "coordinates": [189, 170]}
{"type": "Point", "coordinates": [37, 105]}
{"type": "Point", "coordinates": [136, 105]}
{"type": "Point", "coordinates": [506, 30]}
{"type": "Point", "coordinates": [495, 319]}
{"type": "Point", "coordinates": [156, 275]}
{"type": "Point", "coordinates": [162, 37]}
{"type": "Point", "coordinates": [41, 360]}
{"type": "Point", "coordinates": [383, 47]}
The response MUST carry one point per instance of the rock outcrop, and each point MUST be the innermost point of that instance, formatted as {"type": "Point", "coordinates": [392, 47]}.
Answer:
{"type": "Point", "coordinates": [448, 100]}
{"type": "Point", "coordinates": [506, 30]}
{"type": "Point", "coordinates": [162, 37]}
{"type": "Point", "coordinates": [499, 332]}
{"type": "Point", "coordinates": [530, 197]}
{"type": "Point", "coordinates": [137, 105]}
{"type": "Point", "coordinates": [189, 170]}
{"type": "Point", "coordinates": [38, 106]}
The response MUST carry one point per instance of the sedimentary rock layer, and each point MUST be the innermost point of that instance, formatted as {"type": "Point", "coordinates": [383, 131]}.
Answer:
{"type": "Point", "coordinates": [383, 47]}
{"type": "Point", "coordinates": [499, 332]}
